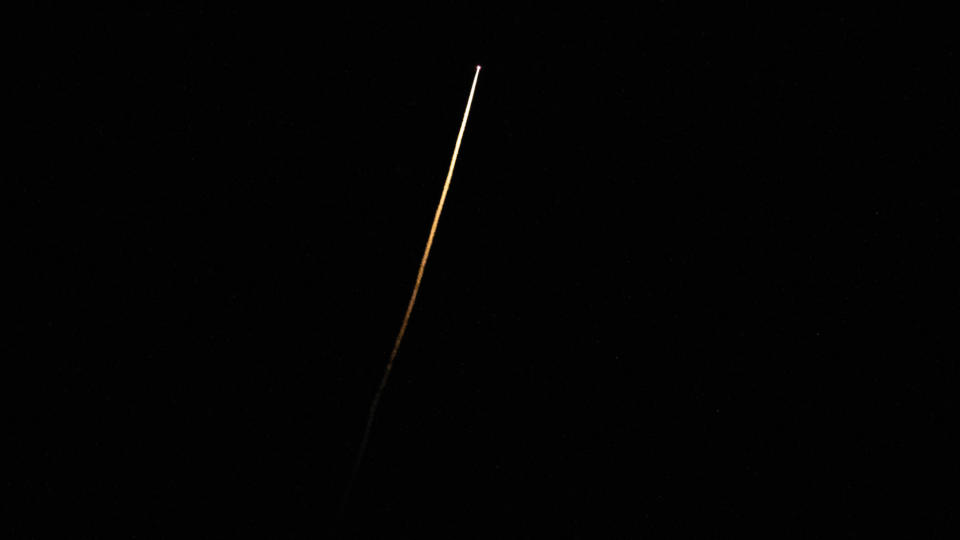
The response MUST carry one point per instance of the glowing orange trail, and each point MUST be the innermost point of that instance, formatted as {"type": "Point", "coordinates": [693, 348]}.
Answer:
{"type": "Point", "coordinates": [413, 297]}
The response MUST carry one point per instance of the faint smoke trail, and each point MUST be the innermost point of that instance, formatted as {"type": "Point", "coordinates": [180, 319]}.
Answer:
{"type": "Point", "coordinates": [413, 298]}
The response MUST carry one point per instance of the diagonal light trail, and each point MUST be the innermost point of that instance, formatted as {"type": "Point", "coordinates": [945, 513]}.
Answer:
{"type": "Point", "coordinates": [413, 298]}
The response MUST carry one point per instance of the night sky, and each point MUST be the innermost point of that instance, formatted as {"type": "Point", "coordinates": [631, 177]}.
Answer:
{"type": "Point", "coordinates": [694, 276]}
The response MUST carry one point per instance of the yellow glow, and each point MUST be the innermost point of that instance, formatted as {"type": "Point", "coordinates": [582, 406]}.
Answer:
{"type": "Point", "coordinates": [413, 297]}
{"type": "Point", "coordinates": [433, 227]}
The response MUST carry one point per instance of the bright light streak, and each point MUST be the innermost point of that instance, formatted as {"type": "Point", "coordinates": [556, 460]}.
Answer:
{"type": "Point", "coordinates": [413, 297]}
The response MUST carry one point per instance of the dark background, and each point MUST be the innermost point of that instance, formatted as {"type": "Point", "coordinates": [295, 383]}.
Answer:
{"type": "Point", "coordinates": [694, 276]}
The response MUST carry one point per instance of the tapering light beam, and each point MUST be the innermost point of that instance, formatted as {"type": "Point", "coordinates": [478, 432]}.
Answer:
{"type": "Point", "coordinates": [413, 297]}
